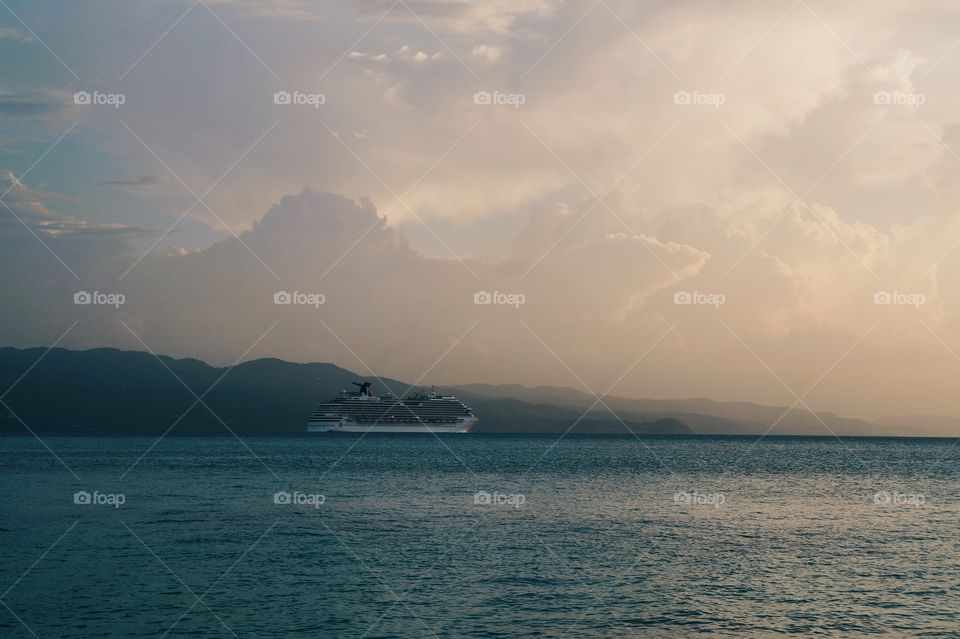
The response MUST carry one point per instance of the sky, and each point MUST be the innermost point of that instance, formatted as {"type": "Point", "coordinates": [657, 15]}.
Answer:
{"type": "Point", "coordinates": [738, 200]}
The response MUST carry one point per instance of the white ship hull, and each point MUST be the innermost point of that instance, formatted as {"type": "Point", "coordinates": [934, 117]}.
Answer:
{"type": "Point", "coordinates": [348, 426]}
{"type": "Point", "coordinates": [361, 411]}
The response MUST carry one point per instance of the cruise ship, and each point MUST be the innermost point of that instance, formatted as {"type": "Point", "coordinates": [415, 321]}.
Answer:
{"type": "Point", "coordinates": [425, 411]}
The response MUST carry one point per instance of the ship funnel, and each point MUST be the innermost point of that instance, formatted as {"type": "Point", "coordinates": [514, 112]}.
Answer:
{"type": "Point", "coordinates": [364, 388]}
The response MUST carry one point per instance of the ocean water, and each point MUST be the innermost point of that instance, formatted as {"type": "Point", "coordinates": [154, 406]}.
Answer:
{"type": "Point", "coordinates": [478, 536]}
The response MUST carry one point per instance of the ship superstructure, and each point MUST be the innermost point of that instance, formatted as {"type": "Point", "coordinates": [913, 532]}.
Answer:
{"type": "Point", "coordinates": [421, 412]}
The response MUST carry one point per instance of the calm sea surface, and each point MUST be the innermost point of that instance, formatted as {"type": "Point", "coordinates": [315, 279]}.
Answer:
{"type": "Point", "coordinates": [478, 536]}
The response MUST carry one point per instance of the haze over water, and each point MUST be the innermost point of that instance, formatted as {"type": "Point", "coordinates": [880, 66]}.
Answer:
{"type": "Point", "coordinates": [602, 537]}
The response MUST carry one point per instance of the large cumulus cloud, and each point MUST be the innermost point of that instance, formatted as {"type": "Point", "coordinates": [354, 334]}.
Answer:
{"type": "Point", "coordinates": [596, 297]}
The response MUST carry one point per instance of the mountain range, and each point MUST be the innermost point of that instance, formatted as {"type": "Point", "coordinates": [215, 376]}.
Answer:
{"type": "Point", "coordinates": [109, 390]}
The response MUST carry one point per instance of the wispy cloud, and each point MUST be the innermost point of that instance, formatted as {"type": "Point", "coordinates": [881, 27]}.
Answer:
{"type": "Point", "coordinates": [12, 33]}
{"type": "Point", "coordinates": [500, 17]}
{"type": "Point", "coordinates": [25, 209]}
{"type": "Point", "coordinates": [143, 180]}
{"type": "Point", "coordinates": [34, 104]}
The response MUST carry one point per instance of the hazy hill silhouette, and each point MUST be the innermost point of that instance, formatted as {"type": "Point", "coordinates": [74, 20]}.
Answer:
{"type": "Point", "coordinates": [706, 416]}
{"type": "Point", "coordinates": [109, 390]}
{"type": "Point", "coordinates": [106, 389]}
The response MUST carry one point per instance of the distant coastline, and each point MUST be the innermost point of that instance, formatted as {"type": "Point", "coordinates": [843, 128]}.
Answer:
{"type": "Point", "coordinates": [106, 390]}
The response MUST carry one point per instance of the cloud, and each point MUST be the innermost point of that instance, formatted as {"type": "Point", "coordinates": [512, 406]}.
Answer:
{"type": "Point", "coordinates": [372, 280]}
{"type": "Point", "coordinates": [486, 52]}
{"type": "Point", "coordinates": [277, 9]}
{"type": "Point", "coordinates": [376, 57]}
{"type": "Point", "coordinates": [25, 208]}
{"type": "Point", "coordinates": [459, 16]}
{"type": "Point", "coordinates": [797, 99]}
{"type": "Point", "coordinates": [12, 33]}
{"type": "Point", "coordinates": [501, 17]}
{"type": "Point", "coordinates": [403, 54]}
{"type": "Point", "coordinates": [595, 293]}
{"type": "Point", "coordinates": [144, 180]}
{"type": "Point", "coordinates": [797, 196]}
{"type": "Point", "coordinates": [33, 104]}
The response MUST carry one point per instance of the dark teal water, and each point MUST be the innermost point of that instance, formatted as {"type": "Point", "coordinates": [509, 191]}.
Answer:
{"type": "Point", "coordinates": [785, 537]}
